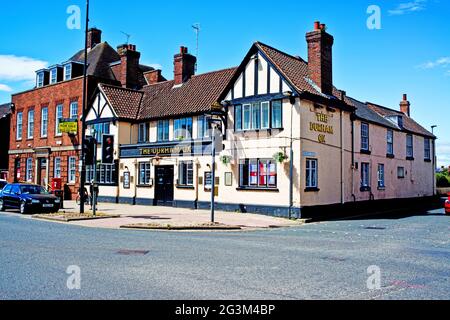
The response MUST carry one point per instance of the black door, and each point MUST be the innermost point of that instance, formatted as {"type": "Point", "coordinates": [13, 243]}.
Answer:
{"type": "Point", "coordinates": [164, 186]}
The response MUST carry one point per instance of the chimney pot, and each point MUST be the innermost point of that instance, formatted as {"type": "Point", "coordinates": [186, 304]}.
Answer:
{"type": "Point", "coordinates": [317, 25]}
{"type": "Point", "coordinates": [320, 58]}
{"type": "Point", "coordinates": [184, 66]}
{"type": "Point", "coordinates": [94, 37]}
{"type": "Point", "coordinates": [405, 106]}
{"type": "Point", "coordinates": [129, 66]}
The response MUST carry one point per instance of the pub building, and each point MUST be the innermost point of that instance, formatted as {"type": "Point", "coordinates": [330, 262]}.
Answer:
{"type": "Point", "coordinates": [290, 141]}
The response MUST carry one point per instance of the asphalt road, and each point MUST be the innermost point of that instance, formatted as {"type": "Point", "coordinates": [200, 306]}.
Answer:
{"type": "Point", "coordinates": [317, 261]}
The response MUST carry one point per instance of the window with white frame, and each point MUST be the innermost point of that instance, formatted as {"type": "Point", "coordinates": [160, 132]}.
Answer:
{"type": "Point", "coordinates": [72, 169]}
{"type": "Point", "coordinates": [53, 76]}
{"type": "Point", "coordinates": [144, 131]}
{"type": "Point", "coordinates": [68, 71]}
{"type": "Point", "coordinates": [409, 146]}
{"type": "Point", "coordinates": [427, 149]}
{"type": "Point", "coordinates": [390, 142]}
{"type": "Point", "coordinates": [29, 170]}
{"type": "Point", "coordinates": [311, 173]}
{"type": "Point", "coordinates": [260, 115]}
{"type": "Point", "coordinates": [277, 114]}
{"type": "Point", "coordinates": [58, 118]}
{"type": "Point", "coordinates": [163, 130]}
{"type": "Point", "coordinates": [74, 110]}
{"type": "Point", "coordinates": [106, 174]}
{"type": "Point", "coordinates": [57, 168]}
{"type": "Point", "coordinates": [258, 173]}
{"type": "Point", "coordinates": [401, 172]}
{"type": "Point", "coordinates": [40, 80]}
{"type": "Point", "coordinates": [381, 183]}
{"type": "Point", "coordinates": [364, 136]}
{"type": "Point", "coordinates": [186, 173]}
{"type": "Point", "coordinates": [203, 127]}
{"type": "Point", "coordinates": [182, 128]}
{"type": "Point", "coordinates": [44, 122]}
{"type": "Point", "coordinates": [19, 125]}
{"type": "Point", "coordinates": [144, 173]}
{"type": "Point", "coordinates": [30, 128]}
{"type": "Point", "coordinates": [365, 175]}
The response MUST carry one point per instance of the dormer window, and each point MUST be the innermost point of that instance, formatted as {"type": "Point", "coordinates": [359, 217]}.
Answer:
{"type": "Point", "coordinates": [68, 72]}
{"type": "Point", "coordinates": [40, 79]}
{"type": "Point", "coordinates": [53, 75]}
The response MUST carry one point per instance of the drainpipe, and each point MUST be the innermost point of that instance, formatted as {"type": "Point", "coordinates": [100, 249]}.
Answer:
{"type": "Point", "coordinates": [342, 160]}
{"type": "Point", "coordinates": [352, 118]}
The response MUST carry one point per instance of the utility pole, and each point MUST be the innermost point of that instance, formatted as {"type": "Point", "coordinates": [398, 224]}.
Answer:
{"type": "Point", "coordinates": [83, 113]}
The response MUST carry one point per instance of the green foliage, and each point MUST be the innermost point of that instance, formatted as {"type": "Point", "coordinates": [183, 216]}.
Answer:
{"type": "Point", "coordinates": [443, 180]}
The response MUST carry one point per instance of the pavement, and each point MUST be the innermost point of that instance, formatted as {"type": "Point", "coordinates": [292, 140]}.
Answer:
{"type": "Point", "coordinates": [327, 260]}
{"type": "Point", "coordinates": [174, 217]}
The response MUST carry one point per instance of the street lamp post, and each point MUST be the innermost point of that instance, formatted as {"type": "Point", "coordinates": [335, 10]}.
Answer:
{"type": "Point", "coordinates": [289, 95]}
{"type": "Point", "coordinates": [434, 160]}
{"type": "Point", "coordinates": [83, 121]}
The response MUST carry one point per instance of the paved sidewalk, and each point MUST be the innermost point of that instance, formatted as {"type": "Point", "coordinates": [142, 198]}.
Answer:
{"type": "Point", "coordinates": [174, 217]}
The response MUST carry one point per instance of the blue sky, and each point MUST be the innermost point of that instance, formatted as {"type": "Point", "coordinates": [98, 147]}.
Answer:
{"type": "Point", "coordinates": [409, 54]}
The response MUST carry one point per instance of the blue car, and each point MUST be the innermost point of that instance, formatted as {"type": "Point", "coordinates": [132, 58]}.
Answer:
{"type": "Point", "coordinates": [28, 198]}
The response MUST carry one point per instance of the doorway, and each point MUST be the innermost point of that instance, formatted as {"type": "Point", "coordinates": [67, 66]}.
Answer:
{"type": "Point", "coordinates": [42, 172]}
{"type": "Point", "coordinates": [164, 185]}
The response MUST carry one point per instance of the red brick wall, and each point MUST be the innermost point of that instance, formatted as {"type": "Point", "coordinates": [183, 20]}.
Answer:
{"type": "Point", "coordinates": [49, 96]}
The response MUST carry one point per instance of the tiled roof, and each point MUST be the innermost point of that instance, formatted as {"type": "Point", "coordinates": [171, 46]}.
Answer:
{"type": "Point", "coordinates": [125, 102]}
{"type": "Point", "coordinates": [363, 112]}
{"type": "Point", "coordinates": [194, 96]}
{"type": "Point", "coordinates": [99, 60]}
{"type": "Point", "coordinates": [164, 99]}
{"type": "Point", "coordinates": [5, 109]}
{"type": "Point", "coordinates": [408, 123]}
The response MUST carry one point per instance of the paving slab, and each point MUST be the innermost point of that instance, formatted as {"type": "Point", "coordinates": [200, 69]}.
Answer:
{"type": "Point", "coordinates": [176, 217]}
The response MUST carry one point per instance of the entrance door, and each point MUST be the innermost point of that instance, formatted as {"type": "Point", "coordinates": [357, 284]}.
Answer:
{"type": "Point", "coordinates": [16, 170]}
{"type": "Point", "coordinates": [164, 185]}
{"type": "Point", "coordinates": [42, 172]}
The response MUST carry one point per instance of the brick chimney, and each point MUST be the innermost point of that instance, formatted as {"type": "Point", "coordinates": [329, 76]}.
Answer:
{"type": "Point", "coordinates": [184, 66]}
{"type": "Point", "coordinates": [320, 57]}
{"type": "Point", "coordinates": [405, 106]}
{"type": "Point", "coordinates": [129, 66]}
{"type": "Point", "coordinates": [94, 37]}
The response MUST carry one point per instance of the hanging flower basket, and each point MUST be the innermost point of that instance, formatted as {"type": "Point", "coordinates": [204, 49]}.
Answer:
{"type": "Point", "coordinates": [280, 157]}
{"type": "Point", "coordinates": [226, 160]}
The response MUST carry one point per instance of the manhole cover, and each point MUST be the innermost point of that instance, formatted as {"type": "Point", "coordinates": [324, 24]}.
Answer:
{"type": "Point", "coordinates": [132, 252]}
{"type": "Point", "coordinates": [375, 228]}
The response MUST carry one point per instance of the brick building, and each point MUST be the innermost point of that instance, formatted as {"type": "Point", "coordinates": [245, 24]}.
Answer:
{"type": "Point", "coordinates": [5, 113]}
{"type": "Point", "coordinates": [38, 150]}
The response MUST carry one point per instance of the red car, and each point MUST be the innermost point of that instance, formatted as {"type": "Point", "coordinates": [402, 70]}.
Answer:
{"type": "Point", "coordinates": [447, 204]}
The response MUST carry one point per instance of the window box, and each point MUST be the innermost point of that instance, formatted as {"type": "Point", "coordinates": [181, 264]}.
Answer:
{"type": "Point", "coordinates": [312, 189]}
{"type": "Point", "coordinates": [390, 156]}
{"type": "Point", "coordinates": [410, 158]}
{"type": "Point", "coordinates": [185, 187]}
{"type": "Point", "coordinates": [368, 152]}
{"type": "Point", "coordinates": [381, 188]}
{"type": "Point", "coordinates": [366, 189]}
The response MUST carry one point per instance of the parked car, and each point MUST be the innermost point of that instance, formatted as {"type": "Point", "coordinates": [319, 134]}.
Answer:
{"type": "Point", "coordinates": [3, 183]}
{"type": "Point", "coordinates": [28, 198]}
{"type": "Point", "coordinates": [447, 204]}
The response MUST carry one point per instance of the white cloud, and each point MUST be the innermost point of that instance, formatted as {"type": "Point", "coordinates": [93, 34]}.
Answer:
{"type": "Point", "coordinates": [441, 62]}
{"type": "Point", "coordinates": [13, 68]}
{"type": "Point", "coordinates": [4, 87]}
{"type": "Point", "coordinates": [408, 7]}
